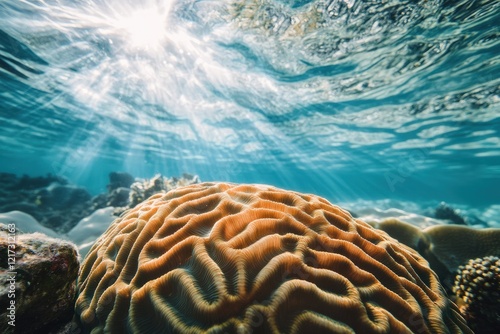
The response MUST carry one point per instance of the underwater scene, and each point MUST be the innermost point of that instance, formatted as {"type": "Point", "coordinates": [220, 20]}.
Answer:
{"type": "Point", "coordinates": [249, 166]}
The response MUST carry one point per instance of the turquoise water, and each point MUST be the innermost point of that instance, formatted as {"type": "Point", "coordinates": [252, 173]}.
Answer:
{"type": "Point", "coordinates": [351, 100]}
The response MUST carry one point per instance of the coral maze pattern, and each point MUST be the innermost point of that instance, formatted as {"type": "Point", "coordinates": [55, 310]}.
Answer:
{"type": "Point", "coordinates": [226, 258]}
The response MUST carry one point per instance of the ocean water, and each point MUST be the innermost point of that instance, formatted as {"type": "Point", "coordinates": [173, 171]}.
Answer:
{"type": "Point", "coordinates": [383, 101]}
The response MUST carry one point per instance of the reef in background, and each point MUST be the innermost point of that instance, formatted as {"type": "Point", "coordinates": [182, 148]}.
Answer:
{"type": "Point", "coordinates": [59, 205]}
{"type": "Point", "coordinates": [124, 192]}
{"type": "Point", "coordinates": [51, 200]}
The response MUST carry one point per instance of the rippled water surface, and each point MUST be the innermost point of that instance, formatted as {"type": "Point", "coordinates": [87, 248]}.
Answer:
{"type": "Point", "coordinates": [359, 99]}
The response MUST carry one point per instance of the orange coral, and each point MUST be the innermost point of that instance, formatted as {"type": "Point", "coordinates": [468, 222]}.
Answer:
{"type": "Point", "coordinates": [222, 257]}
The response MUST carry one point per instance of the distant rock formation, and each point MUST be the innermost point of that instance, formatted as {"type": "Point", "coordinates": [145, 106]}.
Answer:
{"type": "Point", "coordinates": [123, 194]}
{"type": "Point", "coordinates": [58, 205]}
{"type": "Point", "coordinates": [455, 216]}
{"type": "Point", "coordinates": [51, 200]}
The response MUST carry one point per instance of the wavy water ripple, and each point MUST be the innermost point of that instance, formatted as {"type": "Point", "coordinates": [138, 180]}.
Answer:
{"type": "Point", "coordinates": [316, 84]}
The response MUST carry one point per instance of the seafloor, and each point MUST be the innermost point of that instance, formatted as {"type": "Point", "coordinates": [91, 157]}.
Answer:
{"type": "Point", "coordinates": [54, 206]}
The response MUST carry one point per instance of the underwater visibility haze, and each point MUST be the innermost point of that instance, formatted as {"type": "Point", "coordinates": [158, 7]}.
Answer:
{"type": "Point", "coordinates": [351, 100]}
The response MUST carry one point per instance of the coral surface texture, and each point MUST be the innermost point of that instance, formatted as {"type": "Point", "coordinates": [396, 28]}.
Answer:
{"type": "Point", "coordinates": [227, 258]}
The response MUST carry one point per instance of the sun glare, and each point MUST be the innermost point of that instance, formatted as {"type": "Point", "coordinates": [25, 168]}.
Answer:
{"type": "Point", "coordinates": [145, 28]}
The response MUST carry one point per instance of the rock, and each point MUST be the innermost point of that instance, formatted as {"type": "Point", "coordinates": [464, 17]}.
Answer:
{"type": "Point", "coordinates": [118, 197]}
{"type": "Point", "coordinates": [8, 197]}
{"type": "Point", "coordinates": [71, 327]}
{"type": "Point", "coordinates": [119, 180]}
{"type": "Point", "coordinates": [457, 216]}
{"type": "Point", "coordinates": [58, 196]}
{"type": "Point", "coordinates": [28, 208]}
{"type": "Point", "coordinates": [30, 183]}
{"type": "Point", "coordinates": [42, 277]}
{"type": "Point", "coordinates": [50, 200]}
{"type": "Point", "coordinates": [56, 221]}
{"type": "Point", "coordinates": [8, 180]}
{"type": "Point", "coordinates": [443, 211]}
{"type": "Point", "coordinates": [158, 184]}
{"type": "Point", "coordinates": [58, 205]}
{"type": "Point", "coordinates": [99, 201]}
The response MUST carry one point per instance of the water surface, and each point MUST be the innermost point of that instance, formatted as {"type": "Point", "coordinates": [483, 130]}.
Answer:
{"type": "Point", "coordinates": [347, 99]}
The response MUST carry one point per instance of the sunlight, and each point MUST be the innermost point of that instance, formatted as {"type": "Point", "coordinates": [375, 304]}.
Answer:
{"type": "Point", "coordinates": [145, 28]}
{"type": "Point", "coordinates": [149, 67]}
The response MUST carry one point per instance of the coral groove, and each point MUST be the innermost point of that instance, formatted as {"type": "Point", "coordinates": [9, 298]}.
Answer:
{"type": "Point", "coordinates": [218, 257]}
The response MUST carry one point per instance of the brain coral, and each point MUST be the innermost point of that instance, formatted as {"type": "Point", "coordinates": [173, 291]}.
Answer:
{"type": "Point", "coordinates": [446, 247]}
{"type": "Point", "coordinates": [226, 258]}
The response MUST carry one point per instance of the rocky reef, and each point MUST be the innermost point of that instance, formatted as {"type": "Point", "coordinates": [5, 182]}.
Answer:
{"type": "Point", "coordinates": [51, 200]}
{"type": "Point", "coordinates": [59, 205]}
{"type": "Point", "coordinates": [125, 192]}
{"type": "Point", "coordinates": [456, 216]}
